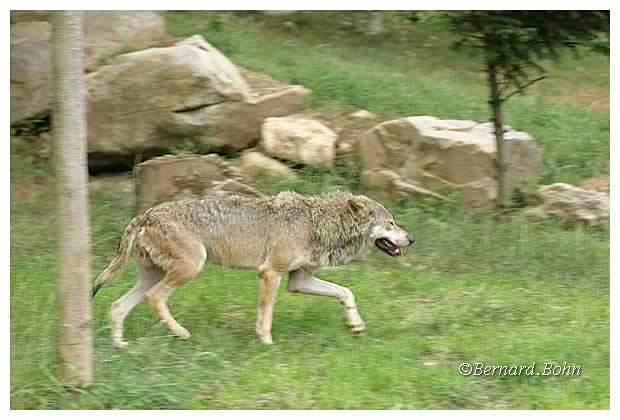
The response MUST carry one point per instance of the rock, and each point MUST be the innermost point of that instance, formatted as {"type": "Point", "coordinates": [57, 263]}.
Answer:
{"type": "Point", "coordinates": [30, 32]}
{"type": "Point", "coordinates": [380, 179]}
{"type": "Point", "coordinates": [389, 183]}
{"type": "Point", "coordinates": [130, 86]}
{"type": "Point", "coordinates": [363, 114]}
{"type": "Point", "coordinates": [106, 33]}
{"type": "Point", "coordinates": [443, 156]}
{"type": "Point", "coordinates": [188, 94]}
{"type": "Point", "coordinates": [18, 16]}
{"type": "Point", "coordinates": [255, 163]}
{"type": "Point", "coordinates": [268, 98]}
{"type": "Point", "coordinates": [169, 178]}
{"type": "Point", "coordinates": [299, 139]}
{"type": "Point", "coordinates": [30, 69]}
{"type": "Point", "coordinates": [480, 193]}
{"type": "Point", "coordinates": [239, 126]}
{"type": "Point", "coordinates": [232, 186]}
{"type": "Point", "coordinates": [161, 97]}
{"type": "Point", "coordinates": [454, 125]}
{"type": "Point", "coordinates": [344, 148]}
{"type": "Point", "coordinates": [572, 204]}
{"type": "Point", "coordinates": [489, 128]}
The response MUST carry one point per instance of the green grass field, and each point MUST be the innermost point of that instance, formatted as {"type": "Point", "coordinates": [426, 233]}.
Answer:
{"type": "Point", "coordinates": [473, 289]}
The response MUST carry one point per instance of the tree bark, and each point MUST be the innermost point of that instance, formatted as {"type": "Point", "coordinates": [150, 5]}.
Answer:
{"type": "Point", "coordinates": [69, 130]}
{"type": "Point", "coordinates": [495, 103]}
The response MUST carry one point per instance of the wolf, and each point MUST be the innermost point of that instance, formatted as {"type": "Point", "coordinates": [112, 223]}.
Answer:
{"type": "Point", "coordinates": [285, 233]}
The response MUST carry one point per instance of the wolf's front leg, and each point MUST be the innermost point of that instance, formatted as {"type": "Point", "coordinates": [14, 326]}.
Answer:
{"type": "Point", "coordinates": [269, 281]}
{"type": "Point", "coordinates": [301, 281]}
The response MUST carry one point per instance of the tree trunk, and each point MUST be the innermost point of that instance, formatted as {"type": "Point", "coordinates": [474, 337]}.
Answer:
{"type": "Point", "coordinates": [495, 103]}
{"type": "Point", "coordinates": [375, 26]}
{"type": "Point", "coordinates": [69, 131]}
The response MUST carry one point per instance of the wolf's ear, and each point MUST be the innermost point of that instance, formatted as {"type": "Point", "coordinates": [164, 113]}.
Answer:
{"type": "Point", "coordinates": [357, 208]}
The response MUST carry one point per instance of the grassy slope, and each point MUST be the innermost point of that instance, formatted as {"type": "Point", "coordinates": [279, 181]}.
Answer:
{"type": "Point", "coordinates": [416, 73]}
{"type": "Point", "coordinates": [472, 290]}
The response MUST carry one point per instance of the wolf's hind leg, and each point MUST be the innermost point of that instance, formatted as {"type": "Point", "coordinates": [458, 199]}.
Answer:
{"type": "Point", "coordinates": [148, 276]}
{"type": "Point", "coordinates": [300, 281]}
{"type": "Point", "coordinates": [179, 271]}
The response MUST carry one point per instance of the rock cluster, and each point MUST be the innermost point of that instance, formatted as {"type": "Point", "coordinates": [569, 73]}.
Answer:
{"type": "Point", "coordinates": [148, 94]}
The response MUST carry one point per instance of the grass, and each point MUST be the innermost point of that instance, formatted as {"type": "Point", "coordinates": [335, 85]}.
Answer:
{"type": "Point", "coordinates": [402, 75]}
{"type": "Point", "coordinates": [473, 290]}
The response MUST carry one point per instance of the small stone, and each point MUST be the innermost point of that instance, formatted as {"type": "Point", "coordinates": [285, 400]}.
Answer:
{"type": "Point", "coordinates": [255, 163]}
{"type": "Point", "coordinates": [363, 114]}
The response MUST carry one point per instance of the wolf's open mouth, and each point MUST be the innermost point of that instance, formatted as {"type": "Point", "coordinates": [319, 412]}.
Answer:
{"type": "Point", "coordinates": [389, 247]}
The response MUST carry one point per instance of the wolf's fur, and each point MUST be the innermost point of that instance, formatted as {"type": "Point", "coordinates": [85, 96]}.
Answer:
{"type": "Point", "coordinates": [286, 233]}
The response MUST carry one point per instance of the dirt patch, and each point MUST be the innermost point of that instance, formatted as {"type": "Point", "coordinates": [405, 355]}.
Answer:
{"type": "Point", "coordinates": [22, 191]}
{"type": "Point", "coordinates": [590, 97]}
{"type": "Point", "coordinates": [596, 99]}
{"type": "Point", "coordinates": [597, 183]}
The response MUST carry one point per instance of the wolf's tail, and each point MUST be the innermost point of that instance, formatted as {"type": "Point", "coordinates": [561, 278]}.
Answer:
{"type": "Point", "coordinates": [123, 254]}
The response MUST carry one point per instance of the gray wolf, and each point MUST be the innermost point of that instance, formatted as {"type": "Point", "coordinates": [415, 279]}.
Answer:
{"type": "Point", "coordinates": [286, 233]}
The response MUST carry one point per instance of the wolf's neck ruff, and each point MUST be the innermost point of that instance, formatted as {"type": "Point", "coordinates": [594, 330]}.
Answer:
{"type": "Point", "coordinates": [337, 235]}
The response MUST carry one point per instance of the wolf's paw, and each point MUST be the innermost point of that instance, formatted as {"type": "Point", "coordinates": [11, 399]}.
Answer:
{"type": "Point", "coordinates": [358, 328]}
{"type": "Point", "coordinates": [181, 333]}
{"type": "Point", "coordinates": [354, 320]}
{"type": "Point", "coordinates": [120, 344]}
{"type": "Point", "coordinates": [265, 339]}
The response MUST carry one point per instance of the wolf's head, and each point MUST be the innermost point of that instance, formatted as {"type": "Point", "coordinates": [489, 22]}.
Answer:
{"type": "Point", "coordinates": [387, 235]}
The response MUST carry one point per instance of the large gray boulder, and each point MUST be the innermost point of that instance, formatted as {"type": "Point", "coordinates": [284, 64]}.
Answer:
{"type": "Point", "coordinates": [169, 178]}
{"type": "Point", "coordinates": [18, 16]}
{"type": "Point", "coordinates": [110, 32]}
{"type": "Point", "coordinates": [161, 97]}
{"type": "Point", "coordinates": [106, 33]}
{"type": "Point", "coordinates": [188, 94]}
{"type": "Point", "coordinates": [30, 70]}
{"type": "Point", "coordinates": [441, 156]}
